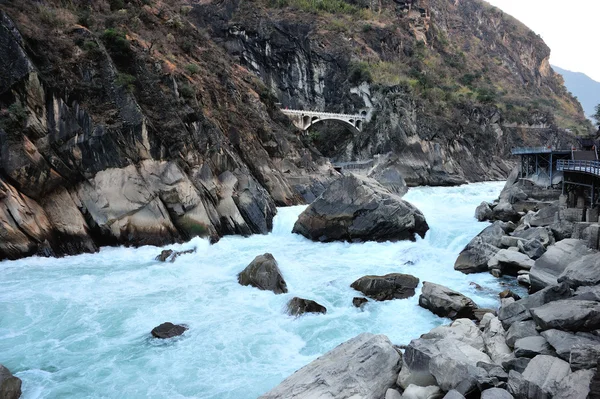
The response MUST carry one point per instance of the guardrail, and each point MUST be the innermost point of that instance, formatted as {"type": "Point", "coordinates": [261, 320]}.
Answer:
{"type": "Point", "coordinates": [591, 167]}
{"type": "Point", "coordinates": [530, 150]}
{"type": "Point", "coordinates": [323, 114]}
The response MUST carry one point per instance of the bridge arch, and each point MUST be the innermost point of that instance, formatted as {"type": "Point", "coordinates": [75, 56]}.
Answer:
{"type": "Point", "coordinates": [305, 119]}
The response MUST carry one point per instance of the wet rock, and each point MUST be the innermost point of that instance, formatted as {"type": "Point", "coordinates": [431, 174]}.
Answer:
{"type": "Point", "coordinates": [263, 273]}
{"type": "Point", "coordinates": [568, 315]}
{"type": "Point", "coordinates": [298, 306]}
{"type": "Point", "coordinates": [524, 279]}
{"type": "Point", "coordinates": [171, 255]}
{"type": "Point", "coordinates": [549, 266]}
{"type": "Point", "coordinates": [484, 212]}
{"type": "Point", "coordinates": [533, 346]}
{"type": "Point", "coordinates": [445, 302]}
{"type": "Point", "coordinates": [496, 393]}
{"type": "Point", "coordinates": [168, 330]}
{"type": "Point", "coordinates": [10, 386]}
{"type": "Point", "coordinates": [359, 301]}
{"type": "Point", "coordinates": [509, 294]}
{"type": "Point", "coordinates": [385, 288]}
{"type": "Point", "coordinates": [521, 329]}
{"type": "Point", "coordinates": [540, 378]}
{"type": "Point", "coordinates": [475, 256]}
{"type": "Point", "coordinates": [365, 366]}
{"type": "Point", "coordinates": [354, 208]}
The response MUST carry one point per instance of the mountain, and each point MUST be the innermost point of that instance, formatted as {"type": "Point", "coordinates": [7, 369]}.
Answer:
{"type": "Point", "coordinates": [586, 89]}
{"type": "Point", "coordinates": [148, 121]}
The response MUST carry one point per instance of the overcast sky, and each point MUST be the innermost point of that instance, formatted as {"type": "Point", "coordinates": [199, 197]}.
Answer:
{"type": "Point", "coordinates": [571, 28]}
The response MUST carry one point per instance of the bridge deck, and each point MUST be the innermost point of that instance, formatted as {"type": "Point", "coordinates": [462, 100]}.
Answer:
{"type": "Point", "coordinates": [588, 167]}
{"type": "Point", "coordinates": [538, 150]}
{"type": "Point", "coordinates": [322, 114]}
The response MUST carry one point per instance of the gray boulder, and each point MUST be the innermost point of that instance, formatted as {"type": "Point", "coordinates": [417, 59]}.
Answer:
{"type": "Point", "coordinates": [562, 229]}
{"type": "Point", "coordinates": [168, 330]}
{"type": "Point", "coordinates": [549, 266]}
{"type": "Point", "coordinates": [171, 255]}
{"type": "Point", "coordinates": [264, 274]}
{"type": "Point", "coordinates": [518, 364]}
{"type": "Point", "coordinates": [520, 329]}
{"type": "Point", "coordinates": [298, 306]}
{"type": "Point", "coordinates": [475, 256]}
{"type": "Point", "coordinates": [443, 362]}
{"type": "Point", "coordinates": [359, 301]}
{"type": "Point", "coordinates": [540, 378]}
{"type": "Point", "coordinates": [355, 208]}
{"type": "Point", "coordinates": [541, 234]}
{"type": "Point", "coordinates": [392, 394]}
{"type": "Point", "coordinates": [568, 315]}
{"type": "Point", "coordinates": [533, 248]}
{"type": "Point", "coordinates": [363, 367]}
{"type": "Point", "coordinates": [575, 386]}
{"type": "Point", "coordinates": [445, 302]}
{"type": "Point", "coordinates": [10, 386]}
{"type": "Point", "coordinates": [591, 293]}
{"type": "Point", "coordinates": [385, 288]}
{"type": "Point", "coordinates": [417, 392]}
{"type": "Point", "coordinates": [494, 339]}
{"type": "Point", "coordinates": [533, 346]}
{"type": "Point", "coordinates": [496, 393]}
{"type": "Point", "coordinates": [454, 394]}
{"type": "Point", "coordinates": [564, 341]}
{"type": "Point", "coordinates": [585, 271]}
{"type": "Point", "coordinates": [544, 217]}
{"type": "Point", "coordinates": [484, 212]}
{"type": "Point", "coordinates": [584, 356]}
{"type": "Point", "coordinates": [463, 330]}
{"type": "Point", "coordinates": [520, 310]}
{"type": "Point", "coordinates": [510, 262]}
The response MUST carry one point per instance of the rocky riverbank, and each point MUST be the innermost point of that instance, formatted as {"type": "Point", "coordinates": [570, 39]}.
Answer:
{"type": "Point", "coordinates": [545, 345]}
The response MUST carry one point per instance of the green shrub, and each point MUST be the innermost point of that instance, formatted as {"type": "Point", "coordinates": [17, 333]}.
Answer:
{"type": "Point", "coordinates": [13, 117]}
{"type": "Point", "coordinates": [118, 47]}
{"type": "Point", "coordinates": [125, 80]}
{"type": "Point", "coordinates": [187, 91]}
{"type": "Point", "coordinates": [116, 5]}
{"type": "Point", "coordinates": [359, 72]}
{"type": "Point", "coordinates": [192, 69]}
{"type": "Point", "coordinates": [317, 6]}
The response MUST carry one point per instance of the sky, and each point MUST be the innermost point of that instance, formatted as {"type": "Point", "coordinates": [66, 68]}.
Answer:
{"type": "Point", "coordinates": [571, 28]}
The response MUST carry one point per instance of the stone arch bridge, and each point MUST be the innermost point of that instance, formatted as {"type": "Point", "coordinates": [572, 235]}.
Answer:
{"type": "Point", "coordinates": [305, 119]}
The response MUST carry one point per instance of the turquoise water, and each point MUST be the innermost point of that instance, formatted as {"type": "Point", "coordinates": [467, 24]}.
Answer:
{"type": "Point", "coordinates": [78, 327]}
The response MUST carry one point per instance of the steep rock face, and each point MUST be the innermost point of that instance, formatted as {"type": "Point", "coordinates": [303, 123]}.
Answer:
{"type": "Point", "coordinates": [448, 87]}
{"type": "Point", "coordinates": [104, 140]}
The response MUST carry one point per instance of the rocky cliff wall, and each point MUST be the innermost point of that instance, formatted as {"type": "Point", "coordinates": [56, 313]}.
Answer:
{"type": "Point", "coordinates": [105, 141]}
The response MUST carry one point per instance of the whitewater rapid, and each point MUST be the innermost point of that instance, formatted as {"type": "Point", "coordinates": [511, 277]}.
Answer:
{"type": "Point", "coordinates": [79, 326]}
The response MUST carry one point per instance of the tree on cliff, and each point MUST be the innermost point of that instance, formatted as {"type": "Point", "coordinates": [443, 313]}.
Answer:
{"type": "Point", "coordinates": [596, 116]}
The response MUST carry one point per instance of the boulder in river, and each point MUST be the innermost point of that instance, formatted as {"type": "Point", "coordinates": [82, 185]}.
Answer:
{"type": "Point", "coordinates": [298, 306]}
{"type": "Point", "coordinates": [510, 262]}
{"type": "Point", "coordinates": [358, 301]}
{"type": "Point", "coordinates": [355, 209]}
{"type": "Point", "coordinates": [475, 256]}
{"type": "Point", "coordinates": [264, 274]}
{"type": "Point", "coordinates": [171, 255]}
{"type": "Point", "coordinates": [445, 302]}
{"type": "Point", "coordinates": [484, 212]}
{"type": "Point", "coordinates": [385, 288]}
{"type": "Point", "coordinates": [363, 367]}
{"type": "Point", "coordinates": [168, 330]}
{"type": "Point", "coordinates": [10, 386]}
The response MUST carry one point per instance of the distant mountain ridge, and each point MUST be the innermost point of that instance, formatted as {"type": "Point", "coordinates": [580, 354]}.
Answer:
{"type": "Point", "coordinates": [586, 89]}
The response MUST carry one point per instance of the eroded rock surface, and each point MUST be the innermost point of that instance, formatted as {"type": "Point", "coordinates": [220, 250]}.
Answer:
{"type": "Point", "coordinates": [264, 274]}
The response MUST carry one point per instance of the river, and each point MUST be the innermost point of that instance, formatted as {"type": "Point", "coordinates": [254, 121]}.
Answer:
{"type": "Point", "coordinates": [78, 327]}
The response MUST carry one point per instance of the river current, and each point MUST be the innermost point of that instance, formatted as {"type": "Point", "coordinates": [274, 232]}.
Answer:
{"type": "Point", "coordinates": [79, 327]}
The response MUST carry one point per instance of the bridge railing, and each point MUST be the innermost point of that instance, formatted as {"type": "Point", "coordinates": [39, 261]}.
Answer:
{"type": "Point", "coordinates": [530, 150]}
{"type": "Point", "coordinates": [325, 114]}
{"type": "Point", "coordinates": [591, 167]}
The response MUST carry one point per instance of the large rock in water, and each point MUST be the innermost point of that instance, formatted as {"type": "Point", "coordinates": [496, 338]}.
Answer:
{"type": "Point", "coordinates": [356, 208]}
{"type": "Point", "coordinates": [445, 302]}
{"type": "Point", "coordinates": [298, 306]}
{"type": "Point", "coordinates": [264, 274]}
{"type": "Point", "coordinates": [363, 367]}
{"type": "Point", "coordinates": [390, 286]}
{"type": "Point", "coordinates": [475, 256]}
{"type": "Point", "coordinates": [10, 386]}
{"type": "Point", "coordinates": [168, 330]}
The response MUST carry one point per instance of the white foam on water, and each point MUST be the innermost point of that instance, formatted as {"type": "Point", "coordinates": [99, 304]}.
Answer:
{"type": "Point", "coordinates": [79, 326]}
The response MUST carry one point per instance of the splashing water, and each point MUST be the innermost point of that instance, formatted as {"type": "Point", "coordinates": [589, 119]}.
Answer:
{"type": "Point", "coordinates": [79, 326]}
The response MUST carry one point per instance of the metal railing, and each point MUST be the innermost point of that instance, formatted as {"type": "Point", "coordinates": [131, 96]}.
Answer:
{"type": "Point", "coordinates": [355, 164]}
{"type": "Point", "coordinates": [322, 114]}
{"type": "Point", "coordinates": [590, 167]}
{"type": "Point", "coordinates": [530, 150]}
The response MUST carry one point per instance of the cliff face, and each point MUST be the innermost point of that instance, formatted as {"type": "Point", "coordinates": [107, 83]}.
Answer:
{"type": "Point", "coordinates": [448, 86]}
{"type": "Point", "coordinates": [147, 135]}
